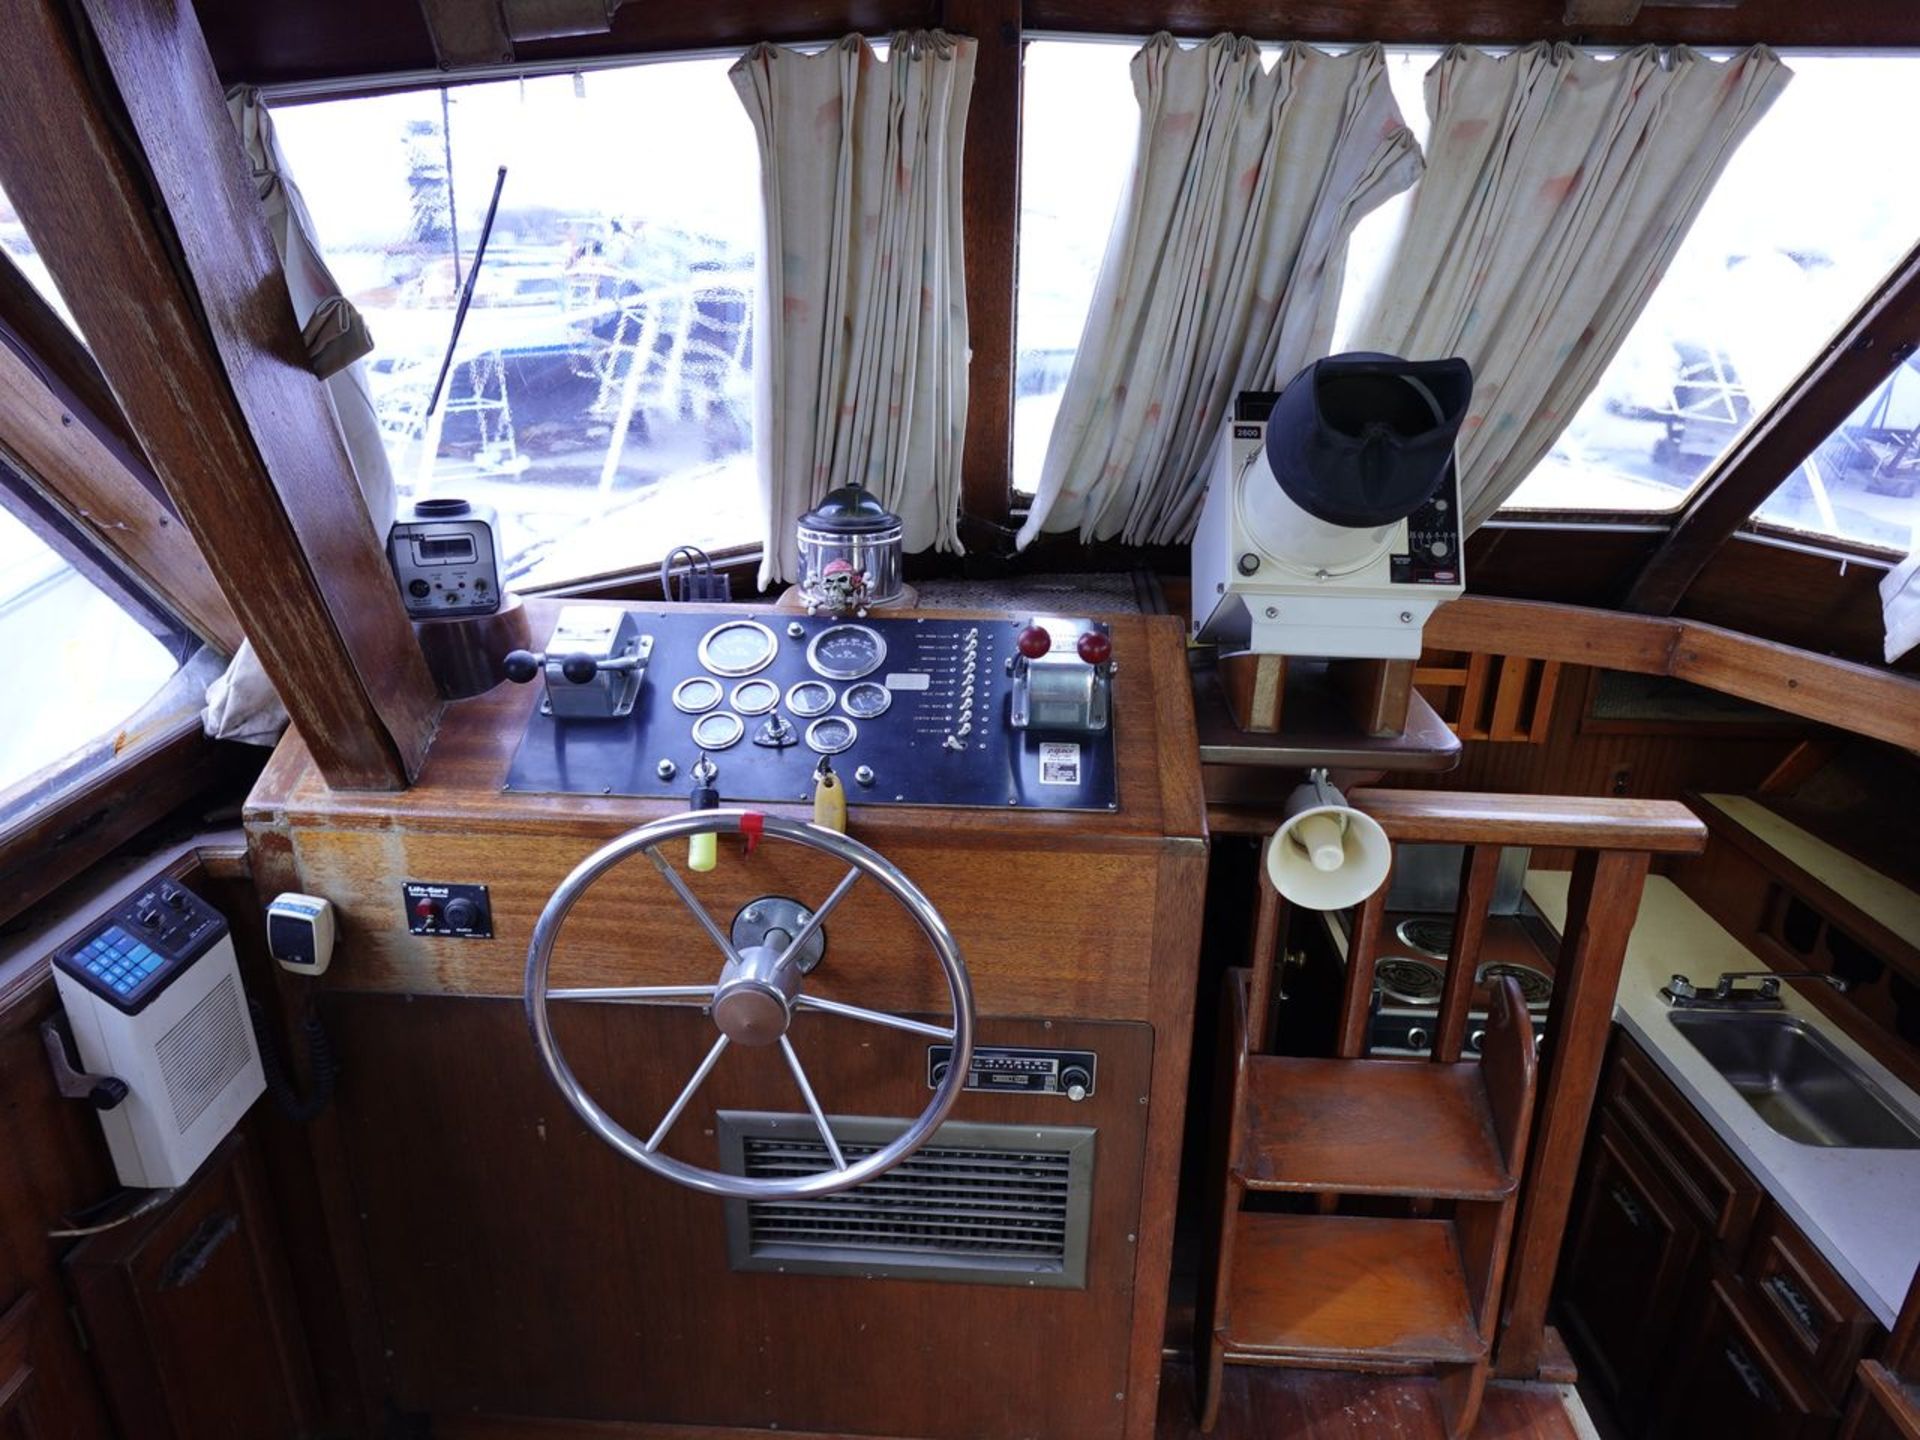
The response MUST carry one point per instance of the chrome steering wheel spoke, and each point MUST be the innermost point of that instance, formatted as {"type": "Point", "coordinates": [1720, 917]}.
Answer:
{"type": "Point", "coordinates": [752, 1003]}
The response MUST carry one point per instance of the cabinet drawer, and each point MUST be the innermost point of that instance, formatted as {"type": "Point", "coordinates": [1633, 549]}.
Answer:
{"type": "Point", "coordinates": [1733, 1380]}
{"type": "Point", "coordinates": [1809, 1309]}
{"type": "Point", "coordinates": [1700, 1170]}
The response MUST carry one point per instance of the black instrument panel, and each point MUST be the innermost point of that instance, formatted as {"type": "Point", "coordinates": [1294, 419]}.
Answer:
{"type": "Point", "coordinates": [911, 711]}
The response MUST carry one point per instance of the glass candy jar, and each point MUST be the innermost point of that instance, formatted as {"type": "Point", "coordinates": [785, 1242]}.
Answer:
{"type": "Point", "coordinates": [850, 552]}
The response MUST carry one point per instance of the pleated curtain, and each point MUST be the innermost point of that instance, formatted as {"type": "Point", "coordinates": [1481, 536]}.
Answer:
{"type": "Point", "coordinates": [1222, 272]}
{"type": "Point", "coordinates": [241, 704]}
{"type": "Point", "coordinates": [1558, 187]}
{"type": "Point", "coordinates": [861, 353]}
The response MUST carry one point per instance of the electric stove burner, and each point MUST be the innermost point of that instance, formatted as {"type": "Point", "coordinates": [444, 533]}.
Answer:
{"type": "Point", "coordinates": [1536, 986]}
{"type": "Point", "coordinates": [1432, 937]}
{"type": "Point", "coordinates": [1408, 982]}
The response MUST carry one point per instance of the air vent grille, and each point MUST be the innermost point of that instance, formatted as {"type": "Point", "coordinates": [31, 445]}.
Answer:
{"type": "Point", "coordinates": [972, 1211]}
{"type": "Point", "coordinates": [203, 1050]}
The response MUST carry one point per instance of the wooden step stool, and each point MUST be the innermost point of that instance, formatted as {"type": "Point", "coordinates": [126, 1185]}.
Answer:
{"type": "Point", "coordinates": [1353, 1292]}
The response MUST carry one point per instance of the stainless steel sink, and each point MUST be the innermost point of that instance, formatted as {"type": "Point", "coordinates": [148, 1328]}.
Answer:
{"type": "Point", "coordinates": [1797, 1081]}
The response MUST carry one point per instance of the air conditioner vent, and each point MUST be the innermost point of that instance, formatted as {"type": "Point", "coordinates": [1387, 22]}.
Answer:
{"type": "Point", "coordinates": [986, 1203]}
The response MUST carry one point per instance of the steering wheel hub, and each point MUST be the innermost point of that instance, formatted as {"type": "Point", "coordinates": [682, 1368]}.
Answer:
{"type": "Point", "coordinates": [753, 1003]}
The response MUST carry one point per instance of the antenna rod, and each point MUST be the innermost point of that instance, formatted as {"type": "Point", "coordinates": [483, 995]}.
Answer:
{"type": "Point", "coordinates": [466, 290]}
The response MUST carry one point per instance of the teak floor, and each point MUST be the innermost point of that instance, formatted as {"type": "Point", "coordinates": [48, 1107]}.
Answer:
{"type": "Point", "coordinates": [1273, 1404]}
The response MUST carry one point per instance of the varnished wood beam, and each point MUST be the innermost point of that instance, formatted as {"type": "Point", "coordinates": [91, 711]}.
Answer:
{"type": "Point", "coordinates": [1879, 337]}
{"type": "Point", "coordinates": [1863, 699]}
{"type": "Point", "coordinates": [47, 441]}
{"type": "Point", "coordinates": [207, 363]}
{"type": "Point", "coordinates": [991, 221]}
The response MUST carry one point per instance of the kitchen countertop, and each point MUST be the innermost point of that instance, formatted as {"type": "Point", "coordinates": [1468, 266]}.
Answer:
{"type": "Point", "coordinates": [1856, 1206]}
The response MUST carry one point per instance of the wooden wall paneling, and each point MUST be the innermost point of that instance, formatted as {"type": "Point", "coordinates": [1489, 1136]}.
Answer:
{"type": "Point", "coordinates": [211, 371]}
{"type": "Point", "coordinates": [16, 1369]}
{"type": "Point", "coordinates": [44, 438]}
{"type": "Point", "coordinates": [1486, 22]}
{"type": "Point", "coordinates": [1881, 334]}
{"type": "Point", "coordinates": [1826, 603]}
{"type": "Point", "coordinates": [991, 221]}
{"type": "Point", "coordinates": [151, 779]}
{"type": "Point", "coordinates": [1605, 894]}
{"type": "Point", "coordinates": [53, 1160]}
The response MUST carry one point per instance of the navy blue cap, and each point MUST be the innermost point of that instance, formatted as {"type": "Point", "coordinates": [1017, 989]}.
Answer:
{"type": "Point", "coordinates": [1364, 439]}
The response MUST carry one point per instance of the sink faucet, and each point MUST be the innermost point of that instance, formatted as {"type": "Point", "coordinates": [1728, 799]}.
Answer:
{"type": "Point", "coordinates": [1727, 993]}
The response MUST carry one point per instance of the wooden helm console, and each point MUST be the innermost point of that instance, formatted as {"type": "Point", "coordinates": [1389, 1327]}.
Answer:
{"type": "Point", "coordinates": [501, 1260]}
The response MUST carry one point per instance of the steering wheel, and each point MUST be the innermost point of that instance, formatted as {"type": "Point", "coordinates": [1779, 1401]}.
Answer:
{"type": "Point", "coordinates": [753, 1001]}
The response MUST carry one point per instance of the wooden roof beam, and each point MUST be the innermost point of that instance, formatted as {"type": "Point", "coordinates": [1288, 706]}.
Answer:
{"type": "Point", "coordinates": [1880, 336]}
{"type": "Point", "coordinates": [207, 362]}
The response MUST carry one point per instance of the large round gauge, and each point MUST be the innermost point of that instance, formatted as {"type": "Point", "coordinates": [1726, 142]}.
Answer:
{"type": "Point", "coordinates": [697, 693]}
{"type": "Point", "coordinates": [831, 735]}
{"type": "Point", "coordinates": [810, 698]}
{"type": "Point", "coordinates": [739, 647]}
{"type": "Point", "coordinates": [866, 700]}
{"type": "Point", "coordinates": [718, 730]}
{"type": "Point", "coordinates": [755, 697]}
{"type": "Point", "coordinates": [846, 652]}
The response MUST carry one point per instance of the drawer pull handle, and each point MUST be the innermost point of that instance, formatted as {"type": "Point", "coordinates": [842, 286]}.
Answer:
{"type": "Point", "coordinates": [188, 1262]}
{"type": "Point", "coordinates": [1750, 1377]}
{"type": "Point", "coordinates": [1794, 1302]}
{"type": "Point", "coordinates": [1629, 1207]}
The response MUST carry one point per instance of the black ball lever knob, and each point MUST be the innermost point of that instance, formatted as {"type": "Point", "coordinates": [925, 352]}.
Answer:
{"type": "Point", "coordinates": [580, 669]}
{"type": "Point", "coordinates": [522, 666]}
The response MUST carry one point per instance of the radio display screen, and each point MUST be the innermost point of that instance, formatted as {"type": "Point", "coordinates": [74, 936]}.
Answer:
{"type": "Point", "coordinates": [444, 548]}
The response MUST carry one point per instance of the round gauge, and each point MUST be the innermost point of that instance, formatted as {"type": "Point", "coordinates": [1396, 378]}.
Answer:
{"type": "Point", "coordinates": [831, 735]}
{"type": "Point", "coordinates": [697, 693]}
{"type": "Point", "coordinates": [718, 730]}
{"type": "Point", "coordinates": [810, 698]}
{"type": "Point", "coordinates": [739, 647]}
{"type": "Point", "coordinates": [866, 700]}
{"type": "Point", "coordinates": [755, 697]}
{"type": "Point", "coordinates": [846, 652]}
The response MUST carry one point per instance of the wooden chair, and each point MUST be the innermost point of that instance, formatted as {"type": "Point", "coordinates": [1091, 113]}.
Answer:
{"type": "Point", "coordinates": [1354, 1292]}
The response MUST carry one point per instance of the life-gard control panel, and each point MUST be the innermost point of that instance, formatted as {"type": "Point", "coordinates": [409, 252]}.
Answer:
{"type": "Point", "coordinates": [982, 712]}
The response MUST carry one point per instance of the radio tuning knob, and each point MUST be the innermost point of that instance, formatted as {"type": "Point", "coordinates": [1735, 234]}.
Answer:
{"type": "Point", "coordinates": [1075, 1082]}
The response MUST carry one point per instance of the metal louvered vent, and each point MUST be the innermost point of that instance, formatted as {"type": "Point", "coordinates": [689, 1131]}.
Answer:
{"type": "Point", "coordinates": [202, 1051]}
{"type": "Point", "coordinates": [993, 1204]}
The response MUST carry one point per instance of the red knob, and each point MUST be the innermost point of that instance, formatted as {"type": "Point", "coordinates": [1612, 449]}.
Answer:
{"type": "Point", "coordinates": [425, 908]}
{"type": "Point", "coordinates": [1095, 648]}
{"type": "Point", "coordinates": [1034, 642]}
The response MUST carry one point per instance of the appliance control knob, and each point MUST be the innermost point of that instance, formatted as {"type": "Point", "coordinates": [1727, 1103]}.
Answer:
{"type": "Point", "coordinates": [1075, 1082]}
{"type": "Point", "coordinates": [1034, 642]}
{"type": "Point", "coordinates": [461, 913]}
{"type": "Point", "coordinates": [1418, 1039]}
{"type": "Point", "coordinates": [1439, 549]}
{"type": "Point", "coordinates": [1095, 648]}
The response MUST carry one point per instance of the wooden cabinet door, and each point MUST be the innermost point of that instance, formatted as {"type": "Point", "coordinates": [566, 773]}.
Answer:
{"type": "Point", "coordinates": [1731, 1380]}
{"type": "Point", "coordinates": [1630, 1253]}
{"type": "Point", "coordinates": [191, 1317]}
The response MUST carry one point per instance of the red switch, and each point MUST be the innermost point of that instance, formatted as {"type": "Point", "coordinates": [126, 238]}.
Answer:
{"type": "Point", "coordinates": [1095, 648]}
{"type": "Point", "coordinates": [426, 908]}
{"type": "Point", "coordinates": [1034, 642]}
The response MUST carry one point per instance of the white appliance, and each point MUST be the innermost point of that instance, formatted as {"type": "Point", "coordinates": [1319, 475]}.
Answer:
{"type": "Point", "coordinates": [445, 555]}
{"type": "Point", "coordinates": [152, 993]}
{"type": "Point", "coordinates": [1272, 578]}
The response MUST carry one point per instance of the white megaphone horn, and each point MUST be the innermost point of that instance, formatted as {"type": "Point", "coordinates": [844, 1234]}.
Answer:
{"type": "Point", "coordinates": [1326, 855]}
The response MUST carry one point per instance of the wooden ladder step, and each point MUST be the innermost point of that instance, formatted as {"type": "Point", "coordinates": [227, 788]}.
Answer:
{"type": "Point", "coordinates": [1340, 1287]}
{"type": "Point", "coordinates": [1370, 1127]}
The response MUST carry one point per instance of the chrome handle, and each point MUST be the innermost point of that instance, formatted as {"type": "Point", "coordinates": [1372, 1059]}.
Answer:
{"type": "Point", "coordinates": [1794, 1301]}
{"type": "Point", "coordinates": [1748, 1373]}
{"type": "Point", "coordinates": [1628, 1206]}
